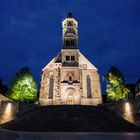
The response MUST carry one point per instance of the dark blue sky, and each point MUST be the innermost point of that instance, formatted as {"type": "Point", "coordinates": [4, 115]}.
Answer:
{"type": "Point", "coordinates": [30, 34]}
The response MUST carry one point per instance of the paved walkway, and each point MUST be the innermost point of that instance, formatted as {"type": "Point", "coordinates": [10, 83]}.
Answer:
{"type": "Point", "coordinates": [81, 136]}
{"type": "Point", "coordinates": [8, 135]}
{"type": "Point", "coordinates": [13, 135]}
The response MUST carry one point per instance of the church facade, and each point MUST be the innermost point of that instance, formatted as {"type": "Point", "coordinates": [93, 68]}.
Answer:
{"type": "Point", "coordinates": [70, 78]}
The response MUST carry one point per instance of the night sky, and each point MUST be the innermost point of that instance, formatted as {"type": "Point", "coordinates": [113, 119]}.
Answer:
{"type": "Point", "coordinates": [30, 34]}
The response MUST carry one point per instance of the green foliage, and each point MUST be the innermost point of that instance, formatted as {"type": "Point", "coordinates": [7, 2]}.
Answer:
{"type": "Point", "coordinates": [22, 86]}
{"type": "Point", "coordinates": [116, 88]}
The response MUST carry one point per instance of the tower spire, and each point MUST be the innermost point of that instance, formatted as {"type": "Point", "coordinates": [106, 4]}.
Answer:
{"type": "Point", "coordinates": [69, 14]}
{"type": "Point", "coordinates": [70, 32]}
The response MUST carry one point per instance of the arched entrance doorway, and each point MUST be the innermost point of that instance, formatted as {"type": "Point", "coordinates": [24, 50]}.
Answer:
{"type": "Point", "coordinates": [70, 96]}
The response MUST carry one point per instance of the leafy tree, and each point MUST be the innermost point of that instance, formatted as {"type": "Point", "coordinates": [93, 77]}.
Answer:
{"type": "Point", "coordinates": [23, 86]}
{"type": "Point", "coordinates": [116, 88]}
{"type": "Point", "coordinates": [3, 88]}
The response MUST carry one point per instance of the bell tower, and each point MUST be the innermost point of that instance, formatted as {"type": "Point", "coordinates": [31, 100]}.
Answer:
{"type": "Point", "coordinates": [70, 51]}
{"type": "Point", "coordinates": [69, 33]}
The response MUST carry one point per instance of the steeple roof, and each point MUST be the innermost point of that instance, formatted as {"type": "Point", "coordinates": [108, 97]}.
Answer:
{"type": "Point", "coordinates": [69, 14]}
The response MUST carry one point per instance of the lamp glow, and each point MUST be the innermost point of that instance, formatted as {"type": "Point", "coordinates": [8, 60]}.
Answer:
{"type": "Point", "coordinates": [128, 112]}
{"type": "Point", "coordinates": [8, 108]}
{"type": "Point", "coordinates": [127, 106]}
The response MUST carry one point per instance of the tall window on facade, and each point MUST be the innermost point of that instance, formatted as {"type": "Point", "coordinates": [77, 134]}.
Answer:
{"type": "Point", "coordinates": [88, 80]}
{"type": "Point", "coordinates": [51, 88]}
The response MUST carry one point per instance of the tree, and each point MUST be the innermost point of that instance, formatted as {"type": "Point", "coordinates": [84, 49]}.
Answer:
{"type": "Point", "coordinates": [23, 86]}
{"type": "Point", "coordinates": [116, 88]}
{"type": "Point", "coordinates": [3, 88]}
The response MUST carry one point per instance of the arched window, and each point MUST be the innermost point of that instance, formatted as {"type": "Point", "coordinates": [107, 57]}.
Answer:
{"type": "Point", "coordinates": [67, 57]}
{"type": "Point", "coordinates": [67, 42]}
{"type": "Point", "coordinates": [70, 78]}
{"type": "Point", "coordinates": [69, 23]}
{"type": "Point", "coordinates": [51, 87]}
{"type": "Point", "coordinates": [72, 58]}
{"type": "Point", "coordinates": [88, 87]}
{"type": "Point", "coordinates": [72, 42]}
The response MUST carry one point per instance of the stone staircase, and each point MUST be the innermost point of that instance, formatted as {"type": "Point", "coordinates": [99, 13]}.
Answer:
{"type": "Point", "coordinates": [71, 119]}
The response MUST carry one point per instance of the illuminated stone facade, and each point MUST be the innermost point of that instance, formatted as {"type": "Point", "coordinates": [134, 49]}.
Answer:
{"type": "Point", "coordinates": [70, 78]}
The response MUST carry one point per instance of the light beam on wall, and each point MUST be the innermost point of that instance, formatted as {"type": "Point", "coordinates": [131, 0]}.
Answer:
{"type": "Point", "coordinates": [8, 109]}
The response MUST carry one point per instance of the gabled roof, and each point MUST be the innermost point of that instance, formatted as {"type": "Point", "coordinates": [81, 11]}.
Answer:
{"type": "Point", "coordinates": [69, 15]}
{"type": "Point", "coordinates": [49, 65]}
{"type": "Point", "coordinates": [84, 60]}
{"type": "Point", "coordinates": [138, 81]}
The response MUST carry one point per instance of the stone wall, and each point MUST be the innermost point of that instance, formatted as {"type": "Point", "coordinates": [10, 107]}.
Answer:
{"type": "Point", "coordinates": [84, 82]}
{"type": "Point", "coordinates": [125, 109]}
{"type": "Point", "coordinates": [10, 110]}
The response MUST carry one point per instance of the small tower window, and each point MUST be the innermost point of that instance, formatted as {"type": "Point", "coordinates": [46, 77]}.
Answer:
{"type": "Point", "coordinates": [72, 42]}
{"type": "Point", "coordinates": [69, 23]}
{"type": "Point", "coordinates": [67, 42]}
{"type": "Point", "coordinates": [67, 58]}
{"type": "Point", "coordinates": [72, 58]}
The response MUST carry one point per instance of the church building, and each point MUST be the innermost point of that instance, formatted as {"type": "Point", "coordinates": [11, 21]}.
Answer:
{"type": "Point", "coordinates": [69, 78]}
